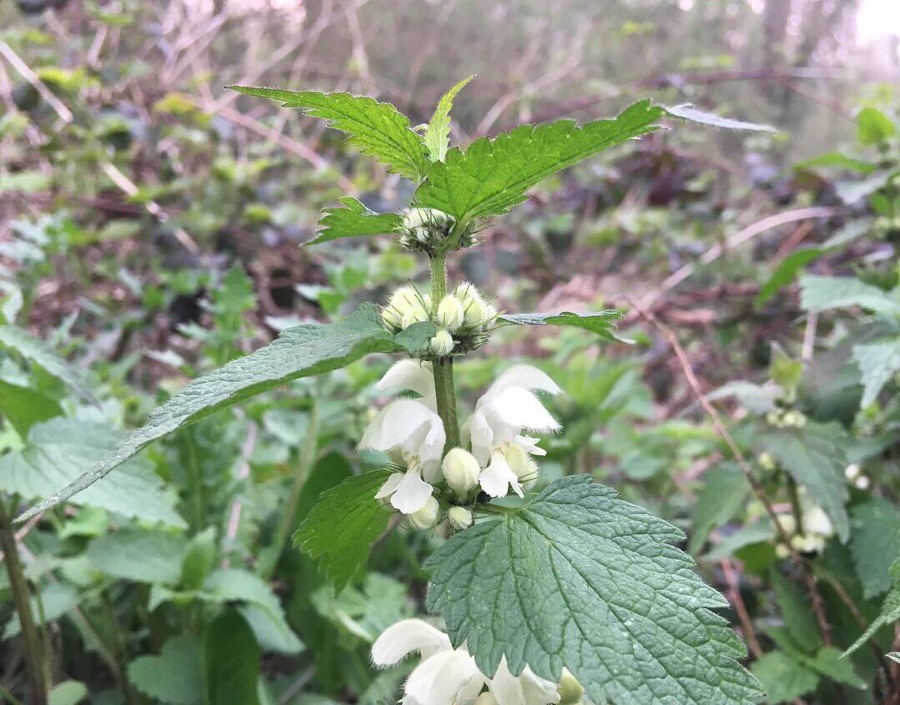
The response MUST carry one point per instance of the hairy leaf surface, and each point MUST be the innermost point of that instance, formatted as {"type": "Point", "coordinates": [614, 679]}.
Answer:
{"type": "Point", "coordinates": [354, 220]}
{"type": "Point", "coordinates": [343, 526]}
{"type": "Point", "coordinates": [376, 129]}
{"type": "Point", "coordinates": [493, 175]}
{"type": "Point", "coordinates": [301, 351]}
{"type": "Point", "coordinates": [437, 133]}
{"type": "Point", "coordinates": [599, 322]}
{"type": "Point", "coordinates": [581, 579]}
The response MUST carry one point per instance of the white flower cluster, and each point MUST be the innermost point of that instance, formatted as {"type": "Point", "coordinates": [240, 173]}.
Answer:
{"type": "Point", "coordinates": [449, 676]}
{"type": "Point", "coordinates": [499, 461]}
{"type": "Point", "coordinates": [816, 526]}
{"type": "Point", "coordinates": [855, 477]}
{"type": "Point", "coordinates": [786, 418]}
{"type": "Point", "coordinates": [461, 317]}
{"type": "Point", "coordinates": [428, 230]}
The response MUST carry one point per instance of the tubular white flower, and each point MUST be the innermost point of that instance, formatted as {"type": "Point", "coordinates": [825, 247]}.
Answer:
{"type": "Point", "coordinates": [524, 689]}
{"type": "Point", "coordinates": [495, 428]}
{"type": "Point", "coordinates": [460, 518]}
{"type": "Point", "coordinates": [449, 676]}
{"type": "Point", "coordinates": [412, 429]}
{"type": "Point", "coordinates": [427, 516]}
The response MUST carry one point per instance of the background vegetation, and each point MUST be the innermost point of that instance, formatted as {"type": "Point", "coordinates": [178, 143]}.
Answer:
{"type": "Point", "coordinates": [151, 226]}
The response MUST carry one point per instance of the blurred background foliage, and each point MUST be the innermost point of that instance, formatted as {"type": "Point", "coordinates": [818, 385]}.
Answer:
{"type": "Point", "coordinates": [151, 226]}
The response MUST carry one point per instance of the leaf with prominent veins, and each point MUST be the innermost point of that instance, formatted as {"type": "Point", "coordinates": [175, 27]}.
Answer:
{"type": "Point", "coordinates": [581, 579]}
{"type": "Point", "coordinates": [301, 351]}
{"type": "Point", "coordinates": [376, 129]}
{"type": "Point", "coordinates": [493, 175]}
{"type": "Point", "coordinates": [437, 133]}
{"type": "Point", "coordinates": [353, 219]}
{"type": "Point", "coordinates": [599, 322]}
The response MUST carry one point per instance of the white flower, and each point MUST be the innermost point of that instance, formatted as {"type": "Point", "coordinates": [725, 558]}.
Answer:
{"type": "Point", "coordinates": [495, 428]}
{"type": "Point", "coordinates": [427, 516]}
{"type": "Point", "coordinates": [446, 676]}
{"type": "Point", "coordinates": [412, 431]}
{"type": "Point", "coordinates": [477, 313]}
{"type": "Point", "coordinates": [461, 471]}
{"type": "Point", "coordinates": [405, 307]}
{"type": "Point", "coordinates": [449, 676]}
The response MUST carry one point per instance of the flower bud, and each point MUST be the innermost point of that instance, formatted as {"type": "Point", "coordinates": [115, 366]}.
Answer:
{"type": "Point", "coordinates": [425, 229]}
{"type": "Point", "coordinates": [766, 461]}
{"type": "Point", "coordinates": [441, 344]}
{"type": "Point", "coordinates": [781, 551]}
{"type": "Point", "coordinates": [569, 689]}
{"type": "Point", "coordinates": [788, 523]}
{"type": "Point", "coordinates": [816, 521]}
{"type": "Point", "coordinates": [460, 518]}
{"type": "Point", "coordinates": [450, 314]}
{"type": "Point", "coordinates": [862, 482]}
{"type": "Point", "coordinates": [852, 471]}
{"type": "Point", "coordinates": [416, 314]}
{"type": "Point", "coordinates": [427, 516]}
{"type": "Point", "coordinates": [808, 543]}
{"type": "Point", "coordinates": [461, 471]}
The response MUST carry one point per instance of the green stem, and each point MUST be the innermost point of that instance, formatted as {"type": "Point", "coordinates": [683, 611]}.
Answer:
{"type": "Point", "coordinates": [18, 585]}
{"type": "Point", "coordinates": [444, 389]}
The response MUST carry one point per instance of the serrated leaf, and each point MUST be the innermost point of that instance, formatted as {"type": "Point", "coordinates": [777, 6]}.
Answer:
{"type": "Point", "coordinates": [33, 350]}
{"type": "Point", "coordinates": [354, 220]}
{"type": "Point", "coordinates": [786, 271]}
{"type": "Point", "coordinates": [793, 603]}
{"type": "Point", "coordinates": [823, 293]}
{"type": "Point", "coordinates": [581, 579]}
{"type": "Point", "coordinates": [599, 322]}
{"type": "Point", "coordinates": [301, 351]}
{"type": "Point", "coordinates": [690, 113]}
{"type": "Point", "coordinates": [815, 456]}
{"type": "Point", "coordinates": [830, 663]}
{"type": "Point", "coordinates": [493, 175]}
{"type": "Point", "coordinates": [262, 611]}
{"type": "Point", "coordinates": [232, 661]}
{"type": "Point", "coordinates": [723, 493]}
{"type": "Point", "coordinates": [141, 555]}
{"type": "Point", "coordinates": [783, 677]}
{"type": "Point", "coordinates": [175, 676]}
{"type": "Point", "coordinates": [376, 129]}
{"type": "Point", "coordinates": [343, 526]}
{"type": "Point", "coordinates": [890, 613]}
{"type": "Point", "coordinates": [61, 450]}
{"type": "Point", "coordinates": [23, 407]}
{"type": "Point", "coordinates": [437, 134]}
{"type": "Point", "coordinates": [878, 363]}
{"type": "Point", "coordinates": [875, 540]}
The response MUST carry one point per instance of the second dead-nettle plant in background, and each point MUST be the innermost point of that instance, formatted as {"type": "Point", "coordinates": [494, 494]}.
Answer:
{"type": "Point", "coordinates": [546, 595]}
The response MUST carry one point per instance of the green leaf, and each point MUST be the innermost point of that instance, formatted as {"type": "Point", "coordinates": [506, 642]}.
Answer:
{"type": "Point", "coordinates": [262, 610]}
{"type": "Point", "coordinates": [141, 555]}
{"type": "Point", "coordinates": [53, 602]}
{"type": "Point", "coordinates": [354, 220]}
{"type": "Point", "coordinates": [830, 663]}
{"type": "Point", "coordinates": [823, 293]}
{"type": "Point", "coordinates": [793, 603]}
{"type": "Point", "coordinates": [724, 490]}
{"type": "Point", "coordinates": [786, 271]}
{"type": "Point", "coordinates": [690, 113]}
{"type": "Point", "coordinates": [437, 134]}
{"type": "Point", "coordinates": [232, 661]}
{"type": "Point", "coordinates": [199, 559]}
{"type": "Point", "coordinates": [493, 175]}
{"type": "Point", "coordinates": [67, 693]}
{"type": "Point", "coordinates": [175, 676]}
{"type": "Point", "coordinates": [343, 526]}
{"type": "Point", "coordinates": [61, 450]}
{"type": "Point", "coordinates": [33, 350]}
{"type": "Point", "coordinates": [783, 677]}
{"type": "Point", "coordinates": [875, 540]}
{"type": "Point", "coordinates": [873, 127]}
{"type": "Point", "coordinates": [599, 322]}
{"type": "Point", "coordinates": [890, 613]}
{"type": "Point", "coordinates": [878, 363]}
{"type": "Point", "coordinates": [581, 579]}
{"type": "Point", "coordinates": [301, 351]}
{"type": "Point", "coordinates": [815, 456]}
{"type": "Point", "coordinates": [24, 407]}
{"type": "Point", "coordinates": [376, 129]}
